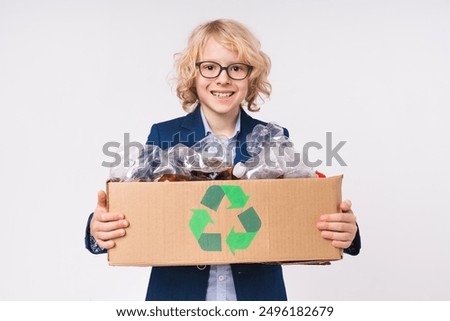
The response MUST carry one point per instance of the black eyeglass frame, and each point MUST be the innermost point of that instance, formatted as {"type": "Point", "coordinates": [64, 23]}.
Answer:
{"type": "Point", "coordinates": [199, 63]}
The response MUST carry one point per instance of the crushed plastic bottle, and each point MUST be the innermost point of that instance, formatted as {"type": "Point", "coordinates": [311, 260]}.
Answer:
{"type": "Point", "coordinates": [261, 135]}
{"type": "Point", "coordinates": [262, 166]}
{"type": "Point", "coordinates": [128, 160]}
{"type": "Point", "coordinates": [143, 168]}
{"type": "Point", "coordinates": [273, 156]}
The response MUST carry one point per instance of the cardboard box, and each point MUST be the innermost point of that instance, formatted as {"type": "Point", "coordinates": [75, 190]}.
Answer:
{"type": "Point", "coordinates": [219, 222]}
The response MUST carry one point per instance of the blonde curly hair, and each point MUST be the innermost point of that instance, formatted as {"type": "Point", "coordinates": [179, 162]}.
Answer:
{"type": "Point", "coordinates": [234, 36]}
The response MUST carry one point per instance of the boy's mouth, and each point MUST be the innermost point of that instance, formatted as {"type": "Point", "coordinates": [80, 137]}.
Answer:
{"type": "Point", "coordinates": [222, 94]}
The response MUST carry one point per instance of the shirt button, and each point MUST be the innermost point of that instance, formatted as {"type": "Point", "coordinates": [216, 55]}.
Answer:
{"type": "Point", "coordinates": [221, 278]}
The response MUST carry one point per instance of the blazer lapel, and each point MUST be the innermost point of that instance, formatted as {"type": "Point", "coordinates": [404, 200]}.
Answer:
{"type": "Point", "coordinates": [192, 129]}
{"type": "Point", "coordinates": [247, 124]}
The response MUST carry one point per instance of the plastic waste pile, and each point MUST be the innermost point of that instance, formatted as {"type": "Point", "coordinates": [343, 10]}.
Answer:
{"type": "Point", "coordinates": [272, 155]}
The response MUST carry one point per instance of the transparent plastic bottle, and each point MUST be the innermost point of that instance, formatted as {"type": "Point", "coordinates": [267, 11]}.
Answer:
{"type": "Point", "coordinates": [273, 156]}
{"type": "Point", "coordinates": [128, 162]}
{"type": "Point", "coordinates": [257, 168]}
{"type": "Point", "coordinates": [291, 162]}
{"type": "Point", "coordinates": [261, 135]}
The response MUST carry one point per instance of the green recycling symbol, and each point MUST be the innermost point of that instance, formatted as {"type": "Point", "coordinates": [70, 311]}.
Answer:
{"type": "Point", "coordinates": [235, 240]}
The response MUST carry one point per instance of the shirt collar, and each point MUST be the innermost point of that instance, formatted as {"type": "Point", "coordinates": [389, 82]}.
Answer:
{"type": "Point", "coordinates": [237, 127]}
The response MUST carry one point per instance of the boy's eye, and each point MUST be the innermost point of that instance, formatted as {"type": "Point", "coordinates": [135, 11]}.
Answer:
{"type": "Point", "coordinates": [210, 67]}
{"type": "Point", "coordinates": [236, 68]}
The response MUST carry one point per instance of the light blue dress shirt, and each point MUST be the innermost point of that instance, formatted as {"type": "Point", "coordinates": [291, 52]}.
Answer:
{"type": "Point", "coordinates": [220, 282]}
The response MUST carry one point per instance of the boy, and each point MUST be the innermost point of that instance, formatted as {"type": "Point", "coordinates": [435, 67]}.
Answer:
{"type": "Point", "coordinates": [221, 70]}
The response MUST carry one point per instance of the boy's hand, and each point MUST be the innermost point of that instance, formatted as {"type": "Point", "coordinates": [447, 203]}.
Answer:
{"type": "Point", "coordinates": [339, 227]}
{"type": "Point", "coordinates": [105, 227]}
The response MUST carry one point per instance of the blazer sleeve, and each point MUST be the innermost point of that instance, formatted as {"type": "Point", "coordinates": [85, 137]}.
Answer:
{"type": "Point", "coordinates": [355, 247]}
{"type": "Point", "coordinates": [89, 241]}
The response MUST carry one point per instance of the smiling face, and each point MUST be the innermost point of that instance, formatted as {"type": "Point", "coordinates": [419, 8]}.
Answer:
{"type": "Point", "coordinates": [220, 97]}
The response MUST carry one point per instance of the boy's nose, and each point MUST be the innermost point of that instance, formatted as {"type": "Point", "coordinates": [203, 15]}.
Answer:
{"type": "Point", "coordinates": [223, 77]}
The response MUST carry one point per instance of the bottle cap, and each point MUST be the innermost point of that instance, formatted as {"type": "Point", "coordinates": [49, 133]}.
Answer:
{"type": "Point", "coordinates": [239, 170]}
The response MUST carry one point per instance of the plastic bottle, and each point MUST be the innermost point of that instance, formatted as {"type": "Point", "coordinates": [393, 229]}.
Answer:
{"type": "Point", "coordinates": [261, 135]}
{"type": "Point", "coordinates": [260, 171]}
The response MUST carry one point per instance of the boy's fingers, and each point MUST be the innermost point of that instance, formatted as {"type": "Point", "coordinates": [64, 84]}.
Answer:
{"type": "Point", "coordinates": [110, 217]}
{"type": "Point", "coordinates": [114, 225]}
{"type": "Point", "coordinates": [101, 199]}
{"type": "Point", "coordinates": [338, 217]}
{"type": "Point", "coordinates": [337, 236]}
{"type": "Point", "coordinates": [346, 205]}
{"type": "Point", "coordinates": [107, 236]}
{"type": "Point", "coordinates": [106, 244]}
{"type": "Point", "coordinates": [341, 244]}
{"type": "Point", "coordinates": [337, 227]}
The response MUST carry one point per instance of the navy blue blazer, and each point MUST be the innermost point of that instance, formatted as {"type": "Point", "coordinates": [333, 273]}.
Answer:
{"type": "Point", "coordinates": [253, 282]}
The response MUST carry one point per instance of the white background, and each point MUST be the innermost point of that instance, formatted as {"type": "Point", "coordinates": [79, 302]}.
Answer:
{"type": "Point", "coordinates": [77, 74]}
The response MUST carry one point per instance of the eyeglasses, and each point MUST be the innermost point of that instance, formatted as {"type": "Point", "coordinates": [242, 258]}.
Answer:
{"type": "Point", "coordinates": [211, 69]}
